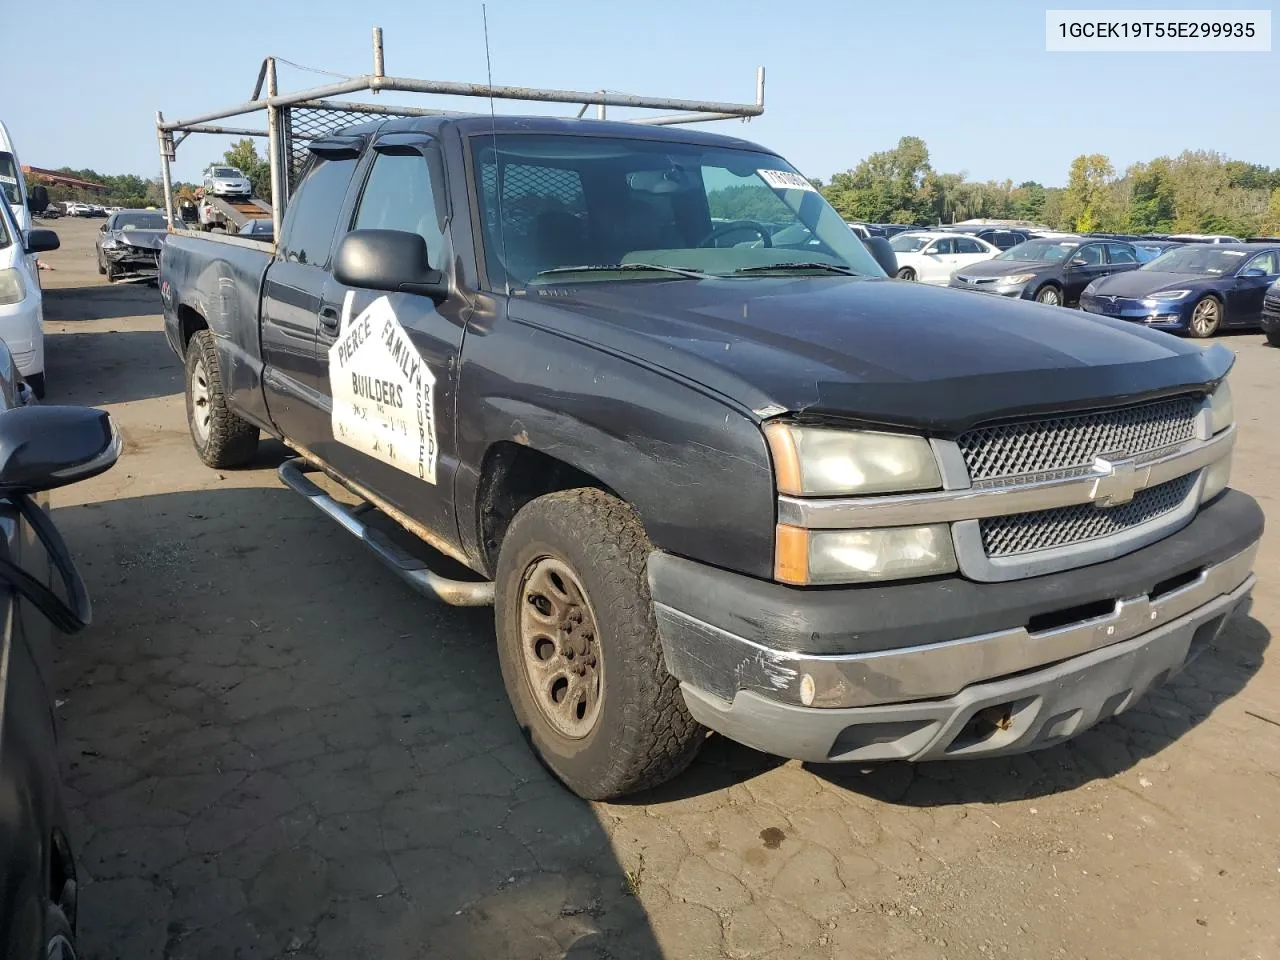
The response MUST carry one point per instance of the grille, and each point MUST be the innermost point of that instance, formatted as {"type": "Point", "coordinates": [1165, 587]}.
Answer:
{"type": "Point", "coordinates": [1045, 529]}
{"type": "Point", "coordinates": [1063, 445]}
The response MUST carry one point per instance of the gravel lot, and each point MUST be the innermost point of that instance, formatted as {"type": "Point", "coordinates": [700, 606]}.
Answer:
{"type": "Point", "coordinates": [274, 749]}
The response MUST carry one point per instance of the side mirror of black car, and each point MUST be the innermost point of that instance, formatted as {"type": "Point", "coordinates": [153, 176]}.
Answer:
{"type": "Point", "coordinates": [880, 249]}
{"type": "Point", "coordinates": [46, 447]}
{"type": "Point", "coordinates": [1254, 272]}
{"type": "Point", "coordinates": [38, 241]}
{"type": "Point", "coordinates": [392, 260]}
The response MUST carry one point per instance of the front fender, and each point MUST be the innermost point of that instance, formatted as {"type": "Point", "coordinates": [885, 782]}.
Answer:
{"type": "Point", "coordinates": [695, 468]}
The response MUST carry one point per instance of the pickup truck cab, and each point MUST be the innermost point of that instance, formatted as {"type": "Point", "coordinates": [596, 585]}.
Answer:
{"type": "Point", "coordinates": [743, 483]}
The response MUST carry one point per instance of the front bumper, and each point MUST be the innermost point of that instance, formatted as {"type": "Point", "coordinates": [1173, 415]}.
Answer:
{"type": "Point", "coordinates": [1271, 315]}
{"type": "Point", "coordinates": [948, 667]}
{"type": "Point", "coordinates": [1166, 316]}
{"type": "Point", "coordinates": [22, 330]}
{"type": "Point", "coordinates": [140, 260]}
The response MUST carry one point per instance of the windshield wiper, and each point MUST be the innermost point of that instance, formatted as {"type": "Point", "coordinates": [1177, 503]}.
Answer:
{"type": "Point", "coordinates": [623, 268]}
{"type": "Point", "coordinates": [807, 265]}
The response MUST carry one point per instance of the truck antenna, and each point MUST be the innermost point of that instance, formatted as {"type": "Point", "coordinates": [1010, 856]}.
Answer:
{"type": "Point", "coordinates": [497, 166]}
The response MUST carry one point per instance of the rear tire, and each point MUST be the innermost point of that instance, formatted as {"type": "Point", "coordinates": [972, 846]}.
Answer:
{"type": "Point", "coordinates": [1050, 295]}
{"type": "Point", "coordinates": [906, 273]}
{"type": "Point", "coordinates": [59, 936]}
{"type": "Point", "coordinates": [221, 438]}
{"type": "Point", "coordinates": [637, 733]}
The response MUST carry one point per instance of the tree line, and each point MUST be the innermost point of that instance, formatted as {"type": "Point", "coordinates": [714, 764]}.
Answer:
{"type": "Point", "coordinates": [1198, 191]}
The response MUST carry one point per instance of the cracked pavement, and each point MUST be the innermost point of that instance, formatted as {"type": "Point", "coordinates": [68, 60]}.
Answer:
{"type": "Point", "coordinates": [274, 749]}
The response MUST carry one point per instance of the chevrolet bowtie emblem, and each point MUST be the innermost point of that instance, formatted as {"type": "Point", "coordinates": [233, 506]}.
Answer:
{"type": "Point", "coordinates": [1116, 481]}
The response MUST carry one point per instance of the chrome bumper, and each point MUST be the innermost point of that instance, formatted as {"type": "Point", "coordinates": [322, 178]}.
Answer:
{"type": "Point", "coordinates": [723, 665]}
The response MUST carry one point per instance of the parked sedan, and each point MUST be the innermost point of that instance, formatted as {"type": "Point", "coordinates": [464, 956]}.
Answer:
{"type": "Point", "coordinates": [40, 590]}
{"type": "Point", "coordinates": [128, 244]}
{"type": "Point", "coordinates": [1052, 271]}
{"type": "Point", "coordinates": [933, 257]}
{"type": "Point", "coordinates": [1196, 289]}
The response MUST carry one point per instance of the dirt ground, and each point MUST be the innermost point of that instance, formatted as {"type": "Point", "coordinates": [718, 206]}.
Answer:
{"type": "Point", "coordinates": [275, 749]}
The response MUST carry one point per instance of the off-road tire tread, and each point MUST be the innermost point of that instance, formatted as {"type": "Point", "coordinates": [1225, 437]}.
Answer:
{"type": "Point", "coordinates": [661, 738]}
{"type": "Point", "coordinates": [232, 441]}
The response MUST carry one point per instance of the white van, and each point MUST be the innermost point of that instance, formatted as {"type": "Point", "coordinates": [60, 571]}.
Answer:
{"type": "Point", "coordinates": [21, 302]}
{"type": "Point", "coordinates": [12, 184]}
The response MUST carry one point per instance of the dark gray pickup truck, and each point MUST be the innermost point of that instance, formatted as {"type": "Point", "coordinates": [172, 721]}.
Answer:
{"type": "Point", "coordinates": [715, 470]}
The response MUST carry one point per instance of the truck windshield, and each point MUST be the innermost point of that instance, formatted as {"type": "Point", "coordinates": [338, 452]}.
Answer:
{"type": "Point", "coordinates": [615, 206]}
{"type": "Point", "coordinates": [9, 178]}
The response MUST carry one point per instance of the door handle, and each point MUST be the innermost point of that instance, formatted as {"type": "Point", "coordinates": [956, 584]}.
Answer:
{"type": "Point", "coordinates": [329, 318]}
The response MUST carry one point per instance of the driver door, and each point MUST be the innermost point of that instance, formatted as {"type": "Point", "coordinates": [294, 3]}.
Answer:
{"type": "Point", "coordinates": [1244, 302]}
{"type": "Point", "coordinates": [938, 260]}
{"type": "Point", "coordinates": [1085, 265]}
{"type": "Point", "coordinates": [968, 251]}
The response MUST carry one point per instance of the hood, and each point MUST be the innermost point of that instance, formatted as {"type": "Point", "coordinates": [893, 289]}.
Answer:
{"type": "Point", "coordinates": [877, 352]}
{"type": "Point", "coordinates": [147, 239]}
{"type": "Point", "coordinates": [1136, 284]}
{"type": "Point", "coordinates": [1002, 268]}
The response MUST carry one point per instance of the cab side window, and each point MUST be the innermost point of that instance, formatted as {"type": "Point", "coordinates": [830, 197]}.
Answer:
{"type": "Point", "coordinates": [400, 195]}
{"type": "Point", "coordinates": [1120, 253]}
{"type": "Point", "coordinates": [944, 246]}
{"type": "Point", "coordinates": [1264, 265]}
{"type": "Point", "coordinates": [312, 217]}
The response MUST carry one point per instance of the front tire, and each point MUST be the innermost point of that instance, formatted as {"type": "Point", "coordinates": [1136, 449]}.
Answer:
{"type": "Point", "coordinates": [1273, 337]}
{"type": "Point", "coordinates": [36, 383]}
{"type": "Point", "coordinates": [579, 648]}
{"type": "Point", "coordinates": [221, 438]}
{"type": "Point", "coordinates": [101, 266]}
{"type": "Point", "coordinates": [906, 273]}
{"type": "Point", "coordinates": [1050, 295]}
{"type": "Point", "coordinates": [1206, 317]}
{"type": "Point", "coordinates": [60, 938]}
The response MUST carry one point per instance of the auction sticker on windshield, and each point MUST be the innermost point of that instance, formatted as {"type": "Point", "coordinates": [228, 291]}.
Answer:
{"type": "Point", "coordinates": [382, 393]}
{"type": "Point", "coordinates": [785, 180]}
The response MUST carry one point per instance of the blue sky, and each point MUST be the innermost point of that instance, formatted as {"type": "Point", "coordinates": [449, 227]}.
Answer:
{"type": "Point", "coordinates": [844, 78]}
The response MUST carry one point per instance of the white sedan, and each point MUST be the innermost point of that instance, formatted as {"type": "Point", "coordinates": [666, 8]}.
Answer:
{"type": "Point", "coordinates": [931, 257]}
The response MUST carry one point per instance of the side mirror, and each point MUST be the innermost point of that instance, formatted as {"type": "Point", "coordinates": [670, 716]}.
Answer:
{"type": "Point", "coordinates": [391, 260]}
{"type": "Point", "coordinates": [1076, 262]}
{"type": "Point", "coordinates": [879, 248]}
{"type": "Point", "coordinates": [1254, 272]}
{"type": "Point", "coordinates": [46, 447]}
{"type": "Point", "coordinates": [40, 241]}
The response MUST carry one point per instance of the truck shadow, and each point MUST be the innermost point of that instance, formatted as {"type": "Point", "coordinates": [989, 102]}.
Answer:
{"type": "Point", "coordinates": [101, 301]}
{"type": "Point", "coordinates": [128, 365]}
{"type": "Point", "coordinates": [1107, 750]}
{"type": "Point", "coordinates": [273, 747]}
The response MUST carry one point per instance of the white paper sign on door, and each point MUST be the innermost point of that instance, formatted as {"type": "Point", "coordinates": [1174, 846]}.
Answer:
{"type": "Point", "coordinates": [382, 391]}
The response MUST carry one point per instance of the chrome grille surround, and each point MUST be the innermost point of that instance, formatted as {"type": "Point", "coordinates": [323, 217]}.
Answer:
{"type": "Point", "coordinates": [1020, 533]}
{"type": "Point", "coordinates": [1067, 445]}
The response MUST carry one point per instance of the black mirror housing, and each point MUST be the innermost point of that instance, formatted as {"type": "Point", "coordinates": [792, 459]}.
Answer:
{"type": "Point", "coordinates": [883, 253]}
{"type": "Point", "coordinates": [40, 241]}
{"type": "Point", "coordinates": [390, 260]}
{"type": "Point", "coordinates": [46, 447]}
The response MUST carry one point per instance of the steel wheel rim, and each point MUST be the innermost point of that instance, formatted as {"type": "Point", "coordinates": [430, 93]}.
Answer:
{"type": "Point", "coordinates": [1049, 297]}
{"type": "Point", "coordinates": [200, 401]}
{"type": "Point", "coordinates": [60, 948]}
{"type": "Point", "coordinates": [1205, 316]}
{"type": "Point", "coordinates": [560, 648]}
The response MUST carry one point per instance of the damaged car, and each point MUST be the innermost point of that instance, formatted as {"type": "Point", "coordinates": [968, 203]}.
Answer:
{"type": "Point", "coordinates": [128, 244]}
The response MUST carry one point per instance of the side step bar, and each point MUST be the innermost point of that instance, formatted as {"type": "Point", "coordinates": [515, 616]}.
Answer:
{"type": "Point", "coordinates": [457, 593]}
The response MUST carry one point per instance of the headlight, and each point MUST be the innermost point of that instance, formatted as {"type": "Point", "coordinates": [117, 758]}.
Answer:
{"type": "Point", "coordinates": [11, 287]}
{"type": "Point", "coordinates": [111, 243]}
{"type": "Point", "coordinates": [1014, 279]}
{"type": "Point", "coordinates": [853, 556]}
{"type": "Point", "coordinates": [1165, 296]}
{"type": "Point", "coordinates": [1216, 477]}
{"type": "Point", "coordinates": [1221, 411]}
{"type": "Point", "coordinates": [824, 462]}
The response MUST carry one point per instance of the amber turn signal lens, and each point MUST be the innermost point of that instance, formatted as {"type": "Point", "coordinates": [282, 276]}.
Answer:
{"type": "Point", "coordinates": [791, 556]}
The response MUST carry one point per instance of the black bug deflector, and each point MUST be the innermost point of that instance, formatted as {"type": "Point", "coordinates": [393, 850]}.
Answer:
{"type": "Point", "coordinates": [457, 593]}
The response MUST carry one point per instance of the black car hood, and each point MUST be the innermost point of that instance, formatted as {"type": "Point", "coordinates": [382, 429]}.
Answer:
{"type": "Point", "coordinates": [147, 239]}
{"type": "Point", "coordinates": [1003, 268]}
{"type": "Point", "coordinates": [1136, 284]}
{"type": "Point", "coordinates": [881, 352]}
